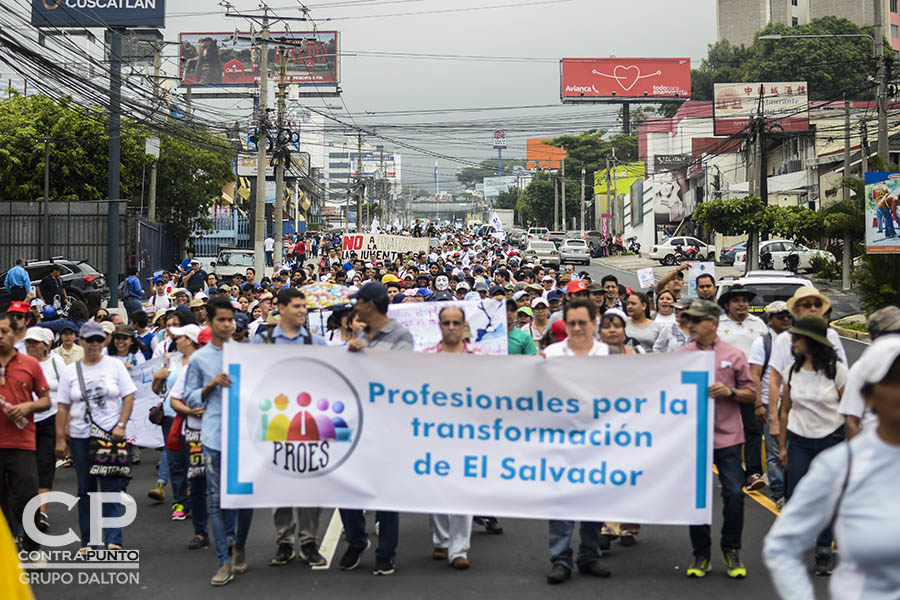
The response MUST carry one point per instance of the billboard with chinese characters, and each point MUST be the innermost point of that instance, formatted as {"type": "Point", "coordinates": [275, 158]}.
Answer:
{"type": "Point", "coordinates": [98, 13]}
{"type": "Point", "coordinates": [784, 104]}
{"type": "Point", "coordinates": [882, 213]}
{"type": "Point", "coordinates": [226, 59]}
{"type": "Point", "coordinates": [593, 78]}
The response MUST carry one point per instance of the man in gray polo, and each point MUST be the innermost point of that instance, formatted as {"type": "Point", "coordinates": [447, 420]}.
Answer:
{"type": "Point", "coordinates": [380, 333]}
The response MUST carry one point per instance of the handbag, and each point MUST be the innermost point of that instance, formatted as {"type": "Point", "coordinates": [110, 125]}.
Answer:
{"type": "Point", "coordinates": [156, 414]}
{"type": "Point", "coordinates": [108, 458]}
{"type": "Point", "coordinates": [196, 462]}
{"type": "Point", "coordinates": [173, 442]}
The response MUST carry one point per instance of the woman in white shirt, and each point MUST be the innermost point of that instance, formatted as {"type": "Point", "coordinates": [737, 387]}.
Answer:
{"type": "Point", "coordinates": [665, 307]}
{"type": "Point", "coordinates": [110, 396]}
{"type": "Point", "coordinates": [855, 487]}
{"type": "Point", "coordinates": [37, 343]}
{"type": "Point", "coordinates": [809, 406]}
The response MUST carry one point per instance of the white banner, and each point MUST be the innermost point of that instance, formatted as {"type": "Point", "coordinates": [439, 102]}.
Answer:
{"type": "Point", "coordinates": [486, 320]}
{"type": "Point", "coordinates": [382, 248]}
{"type": "Point", "coordinates": [139, 430]}
{"type": "Point", "coordinates": [697, 269]}
{"type": "Point", "coordinates": [619, 438]}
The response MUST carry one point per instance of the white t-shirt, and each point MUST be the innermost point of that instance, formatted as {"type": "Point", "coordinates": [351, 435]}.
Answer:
{"type": "Point", "coordinates": [740, 334]}
{"type": "Point", "coordinates": [852, 402]}
{"type": "Point", "coordinates": [53, 369]}
{"type": "Point", "coordinates": [106, 382]}
{"type": "Point", "coordinates": [782, 358]}
{"type": "Point", "coordinates": [562, 349]}
{"type": "Point", "coordinates": [269, 244]}
{"type": "Point", "coordinates": [177, 391]}
{"type": "Point", "coordinates": [161, 302]}
{"type": "Point", "coordinates": [757, 356]}
{"type": "Point", "coordinates": [814, 402]}
{"type": "Point", "coordinates": [665, 319]}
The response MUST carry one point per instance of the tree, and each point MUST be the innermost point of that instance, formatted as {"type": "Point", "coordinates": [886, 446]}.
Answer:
{"type": "Point", "coordinates": [535, 203]}
{"type": "Point", "coordinates": [508, 198]}
{"type": "Point", "coordinates": [192, 168]}
{"type": "Point", "coordinates": [829, 65]}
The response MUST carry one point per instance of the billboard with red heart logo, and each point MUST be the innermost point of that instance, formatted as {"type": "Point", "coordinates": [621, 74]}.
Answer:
{"type": "Point", "coordinates": [624, 78]}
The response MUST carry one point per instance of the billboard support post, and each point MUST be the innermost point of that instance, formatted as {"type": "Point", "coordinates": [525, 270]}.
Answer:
{"type": "Point", "coordinates": [499, 162]}
{"type": "Point", "coordinates": [626, 118]}
{"type": "Point", "coordinates": [259, 224]}
{"type": "Point", "coordinates": [115, 157]}
{"type": "Point", "coordinates": [562, 162]}
{"type": "Point", "coordinates": [279, 165]}
{"type": "Point", "coordinates": [359, 179]}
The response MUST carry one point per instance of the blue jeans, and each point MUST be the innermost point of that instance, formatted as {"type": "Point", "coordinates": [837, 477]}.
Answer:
{"type": "Point", "coordinates": [560, 539]}
{"type": "Point", "coordinates": [801, 451]}
{"type": "Point", "coordinates": [132, 305]}
{"type": "Point", "coordinates": [162, 476]}
{"type": "Point", "coordinates": [388, 531]}
{"type": "Point", "coordinates": [774, 469]}
{"type": "Point", "coordinates": [177, 464]}
{"type": "Point", "coordinates": [880, 219]}
{"type": "Point", "coordinates": [270, 258]}
{"type": "Point", "coordinates": [731, 478]}
{"type": "Point", "coordinates": [889, 231]}
{"type": "Point", "coordinates": [88, 483]}
{"type": "Point", "coordinates": [223, 520]}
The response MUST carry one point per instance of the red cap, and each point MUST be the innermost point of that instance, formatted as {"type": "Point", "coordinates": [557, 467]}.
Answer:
{"type": "Point", "coordinates": [18, 306]}
{"type": "Point", "coordinates": [205, 336]}
{"type": "Point", "coordinates": [576, 285]}
{"type": "Point", "coordinates": [558, 329]}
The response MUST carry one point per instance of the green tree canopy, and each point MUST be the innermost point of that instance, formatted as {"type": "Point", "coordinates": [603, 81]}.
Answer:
{"type": "Point", "coordinates": [829, 65]}
{"type": "Point", "coordinates": [535, 204]}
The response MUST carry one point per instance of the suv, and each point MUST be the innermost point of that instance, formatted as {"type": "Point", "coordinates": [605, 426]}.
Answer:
{"type": "Point", "coordinates": [557, 237]}
{"type": "Point", "coordinates": [230, 262]}
{"type": "Point", "coordinates": [79, 279]}
{"type": "Point", "coordinates": [537, 233]}
{"type": "Point", "coordinates": [768, 285]}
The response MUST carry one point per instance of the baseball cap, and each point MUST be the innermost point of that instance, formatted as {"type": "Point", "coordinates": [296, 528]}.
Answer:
{"type": "Point", "coordinates": [371, 290]}
{"type": "Point", "coordinates": [108, 327]}
{"type": "Point", "coordinates": [519, 294]}
{"type": "Point", "coordinates": [539, 302]}
{"type": "Point", "coordinates": [878, 359]}
{"type": "Point", "coordinates": [704, 309]}
{"type": "Point", "coordinates": [554, 295]}
{"type": "Point", "coordinates": [776, 307]}
{"type": "Point", "coordinates": [126, 330]}
{"type": "Point", "coordinates": [38, 303]}
{"type": "Point", "coordinates": [390, 278]}
{"type": "Point", "coordinates": [618, 312]}
{"type": "Point", "coordinates": [683, 303]}
{"type": "Point", "coordinates": [190, 331]}
{"type": "Point", "coordinates": [462, 285]}
{"type": "Point", "coordinates": [884, 320]}
{"type": "Point", "coordinates": [497, 289]}
{"type": "Point", "coordinates": [205, 336]}
{"type": "Point", "coordinates": [17, 306]}
{"type": "Point", "coordinates": [93, 329]}
{"type": "Point", "coordinates": [39, 334]}
{"type": "Point", "coordinates": [594, 288]}
{"type": "Point", "coordinates": [527, 311]}
{"type": "Point", "coordinates": [547, 278]}
{"type": "Point", "coordinates": [241, 321]}
{"type": "Point", "coordinates": [481, 287]}
{"type": "Point", "coordinates": [576, 285]}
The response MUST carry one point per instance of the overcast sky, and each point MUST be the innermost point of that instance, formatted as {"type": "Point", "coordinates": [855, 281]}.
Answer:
{"type": "Point", "coordinates": [526, 29]}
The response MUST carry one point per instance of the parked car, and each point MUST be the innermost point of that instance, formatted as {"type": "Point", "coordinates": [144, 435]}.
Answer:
{"type": "Point", "coordinates": [780, 250]}
{"type": "Point", "coordinates": [542, 252]}
{"type": "Point", "coordinates": [538, 233]}
{"type": "Point", "coordinates": [518, 238]}
{"type": "Point", "coordinates": [230, 262]}
{"type": "Point", "coordinates": [726, 256]}
{"type": "Point", "coordinates": [574, 251]}
{"type": "Point", "coordinates": [769, 286]}
{"type": "Point", "coordinates": [592, 237]}
{"type": "Point", "coordinates": [79, 279]}
{"type": "Point", "coordinates": [665, 251]}
{"type": "Point", "coordinates": [557, 237]}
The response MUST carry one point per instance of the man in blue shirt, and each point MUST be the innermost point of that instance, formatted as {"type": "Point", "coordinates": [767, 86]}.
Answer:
{"type": "Point", "coordinates": [204, 383]}
{"type": "Point", "coordinates": [185, 265]}
{"type": "Point", "coordinates": [133, 293]}
{"type": "Point", "coordinates": [17, 282]}
{"type": "Point", "coordinates": [291, 330]}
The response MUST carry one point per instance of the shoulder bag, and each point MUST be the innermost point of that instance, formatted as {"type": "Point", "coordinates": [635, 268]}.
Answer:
{"type": "Point", "coordinates": [108, 458]}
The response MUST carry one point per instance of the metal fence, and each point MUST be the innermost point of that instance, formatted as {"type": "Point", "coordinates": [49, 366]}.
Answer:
{"type": "Point", "coordinates": [230, 227]}
{"type": "Point", "coordinates": [155, 248]}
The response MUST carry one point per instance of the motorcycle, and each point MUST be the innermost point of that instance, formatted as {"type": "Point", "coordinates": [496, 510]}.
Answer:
{"type": "Point", "coordinates": [633, 245]}
{"type": "Point", "coordinates": [792, 262]}
{"type": "Point", "coordinates": [686, 255]}
{"type": "Point", "coordinates": [765, 262]}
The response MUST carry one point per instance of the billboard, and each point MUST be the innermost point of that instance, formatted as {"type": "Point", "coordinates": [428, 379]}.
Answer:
{"type": "Point", "coordinates": [670, 162]}
{"type": "Point", "coordinates": [541, 155]}
{"type": "Point", "coordinates": [499, 139]}
{"type": "Point", "coordinates": [137, 45]}
{"type": "Point", "coordinates": [372, 164]}
{"type": "Point", "coordinates": [589, 78]}
{"type": "Point", "coordinates": [882, 215]}
{"type": "Point", "coordinates": [226, 59]}
{"type": "Point", "coordinates": [784, 103]}
{"type": "Point", "coordinates": [668, 193]}
{"type": "Point", "coordinates": [98, 13]}
{"type": "Point", "coordinates": [493, 186]}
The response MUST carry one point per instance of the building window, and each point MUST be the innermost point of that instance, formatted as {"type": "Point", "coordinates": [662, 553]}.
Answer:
{"type": "Point", "coordinates": [894, 32]}
{"type": "Point", "coordinates": [794, 2]}
{"type": "Point", "coordinates": [794, 21]}
{"type": "Point", "coordinates": [893, 6]}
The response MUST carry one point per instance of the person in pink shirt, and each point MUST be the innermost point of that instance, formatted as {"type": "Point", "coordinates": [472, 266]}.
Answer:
{"type": "Point", "coordinates": [733, 386]}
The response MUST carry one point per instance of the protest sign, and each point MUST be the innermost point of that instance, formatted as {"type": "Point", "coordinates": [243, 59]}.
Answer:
{"type": "Point", "coordinates": [486, 320]}
{"type": "Point", "coordinates": [645, 277]}
{"type": "Point", "coordinates": [139, 430]}
{"type": "Point", "coordinates": [697, 269]}
{"type": "Point", "coordinates": [381, 248]}
{"type": "Point", "coordinates": [568, 438]}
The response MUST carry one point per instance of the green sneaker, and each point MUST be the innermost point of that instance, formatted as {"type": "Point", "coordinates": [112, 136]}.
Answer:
{"type": "Point", "coordinates": [733, 564]}
{"type": "Point", "coordinates": [699, 567]}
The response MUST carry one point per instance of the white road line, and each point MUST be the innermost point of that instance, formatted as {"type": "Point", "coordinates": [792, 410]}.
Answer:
{"type": "Point", "coordinates": [331, 539]}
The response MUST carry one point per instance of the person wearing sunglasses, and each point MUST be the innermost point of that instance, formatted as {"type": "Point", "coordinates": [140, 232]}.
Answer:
{"type": "Point", "coordinates": [779, 320]}
{"type": "Point", "coordinates": [806, 300]}
{"type": "Point", "coordinates": [109, 389]}
{"type": "Point", "coordinates": [452, 533]}
{"type": "Point", "coordinates": [733, 386]}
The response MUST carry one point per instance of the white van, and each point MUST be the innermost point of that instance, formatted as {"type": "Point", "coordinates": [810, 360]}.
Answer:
{"type": "Point", "coordinates": [538, 233]}
{"type": "Point", "coordinates": [230, 262]}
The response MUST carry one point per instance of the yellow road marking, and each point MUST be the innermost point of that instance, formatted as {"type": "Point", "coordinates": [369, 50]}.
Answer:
{"type": "Point", "coordinates": [763, 501]}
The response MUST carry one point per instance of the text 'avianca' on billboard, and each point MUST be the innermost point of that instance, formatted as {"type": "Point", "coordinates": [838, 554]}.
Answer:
{"type": "Point", "coordinates": [588, 78]}
{"type": "Point", "coordinates": [217, 59]}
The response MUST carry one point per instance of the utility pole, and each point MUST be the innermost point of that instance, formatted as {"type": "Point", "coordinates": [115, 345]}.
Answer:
{"type": "Point", "coordinates": [608, 188]}
{"type": "Point", "coordinates": [583, 175]}
{"type": "Point", "coordinates": [848, 241]}
{"type": "Point", "coordinates": [382, 195]}
{"type": "Point", "coordinates": [864, 162]}
{"type": "Point", "coordinates": [280, 164]}
{"type": "Point", "coordinates": [563, 190]}
{"type": "Point", "coordinates": [115, 162]}
{"type": "Point", "coordinates": [45, 233]}
{"type": "Point", "coordinates": [359, 179]}
{"type": "Point", "coordinates": [151, 202]}
{"type": "Point", "coordinates": [259, 224]}
{"type": "Point", "coordinates": [881, 100]}
{"type": "Point", "coordinates": [555, 202]}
